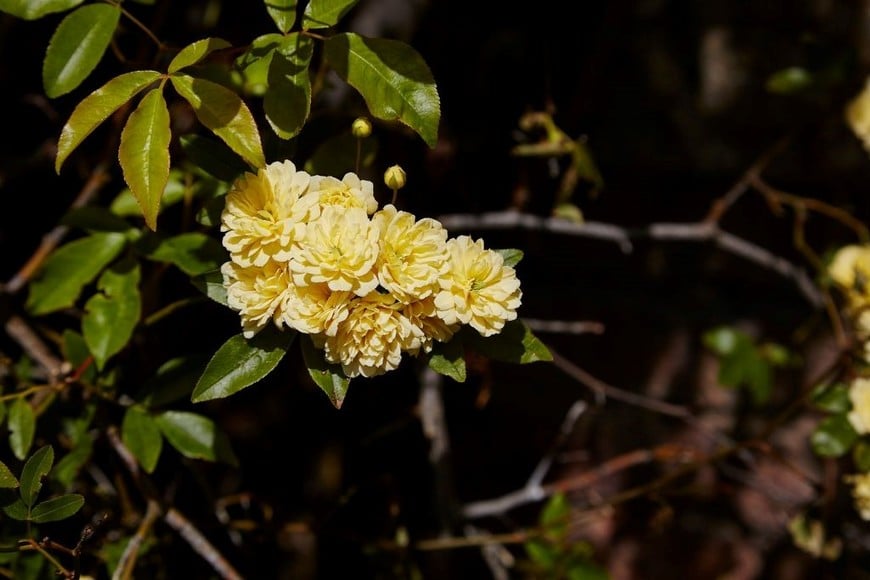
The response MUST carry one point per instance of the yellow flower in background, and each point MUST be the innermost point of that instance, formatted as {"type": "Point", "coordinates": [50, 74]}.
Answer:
{"type": "Point", "coordinates": [264, 214]}
{"type": "Point", "coordinates": [850, 268]}
{"type": "Point", "coordinates": [424, 316]}
{"type": "Point", "coordinates": [858, 115]}
{"type": "Point", "coordinates": [256, 293]}
{"type": "Point", "coordinates": [314, 309]}
{"type": "Point", "coordinates": [860, 483]}
{"type": "Point", "coordinates": [339, 249]}
{"type": "Point", "coordinates": [478, 290]}
{"type": "Point", "coordinates": [371, 339]}
{"type": "Point", "coordinates": [412, 255]}
{"type": "Point", "coordinates": [859, 394]}
{"type": "Point", "coordinates": [350, 191]}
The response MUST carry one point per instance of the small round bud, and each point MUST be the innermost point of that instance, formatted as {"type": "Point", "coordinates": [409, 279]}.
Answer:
{"type": "Point", "coordinates": [394, 177]}
{"type": "Point", "coordinates": [361, 128]}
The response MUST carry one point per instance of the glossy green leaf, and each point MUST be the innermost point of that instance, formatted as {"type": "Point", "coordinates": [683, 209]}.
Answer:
{"type": "Point", "coordinates": [195, 436]}
{"type": "Point", "coordinates": [144, 153]}
{"type": "Point", "coordinates": [335, 155]}
{"type": "Point", "coordinates": [392, 77]}
{"type": "Point", "coordinates": [17, 510]}
{"type": "Point", "coordinates": [96, 108]}
{"type": "Point", "coordinates": [141, 435]}
{"type": "Point", "coordinates": [253, 64]}
{"type": "Point", "coordinates": [225, 114]}
{"type": "Point", "coordinates": [329, 377]}
{"type": "Point", "coordinates": [174, 380]}
{"type": "Point", "coordinates": [287, 101]}
{"type": "Point", "coordinates": [22, 428]}
{"type": "Point", "coordinates": [35, 469]}
{"type": "Point", "coordinates": [57, 508]}
{"type": "Point", "coordinates": [515, 344]}
{"type": "Point", "coordinates": [833, 436]}
{"type": "Point", "coordinates": [193, 253]}
{"type": "Point", "coordinates": [33, 9]}
{"type": "Point", "coordinates": [511, 256]}
{"type": "Point", "coordinates": [195, 52]}
{"type": "Point", "coordinates": [66, 272]}
{"type": "Point", "coordinates": [831, 398]}
{"type": "Point", "coordinates": [283, 13]}
{"type": "Point", "coordinates": [75, 351]}
{"type": "Point", "coordinates": [77, 46]}
{"type": "Point", "coordinates": [111, 315]}
{"type": "Point", "coordinates": [213, 157]}
{"type": "Point", "coordinates": [239, 363]}
{"type": "Point", "coordinates": [325, 13]}
{"type": "Point", "coordinates": [7, 478]}
{"type": "Point", "coordinates": [861, 455]}
{"type": "Point", "coordinates": [448, 359]}
{"type": "Point", "coordinates": [212, 285]}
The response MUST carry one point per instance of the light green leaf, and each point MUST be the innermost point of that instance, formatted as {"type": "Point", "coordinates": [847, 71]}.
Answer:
{"type": "Point", "coordinates": [724, 340]}
{"type": "Point", "coordinates": [111, 315]}
{"type": "Point", "coordinates": [195, 52]}
{"type": "Point", "coordinates": [33, 9]}
{"type": "Point", "coordinates": [833, 436]}
{"type": "Point", "coordinates": [69, 269]}
{"type": "Point", "coordinates": [193, 253]}
{"type": "Point", "coordinates": [325, 13]}
{"type": "Point", "coordinates": [448, 359]}
{"type": "Point", "coordinates": [239, 363]}
{"type": "Point", "coordinates": [34, 471]}
{"type": "Point", "coordinates": [144, 153]}
{"type": "Point", "coordinates": [511, 256]}
{"type": "Point", "coordinates": [329, 377]}
{"type": "Point", "coordinates": [17, 510]}
{"type": "Point", "coordinates": [287, 101]}
{"type": "Point", "coordinates": [392, 77]}
{"type": "Point", "coordinates": [195, 436]}
{"type": "Point", "coordinates": [213, 157]}
{"type": "Point", "coordinates": [224, 113]}
{"type": "Point", "coordinates": [57, 508]}
{"type": "Point", "coordinates": [141, 435]}
{"type": "Point", "coordinates": [253, 64]}
{"type": "Point", "coordinates": [77, 46]}
{"type": "Point", "coordinates": [22, 428]}
{"type": "Point", "coordinates": [7, 478]}
{"type": "Point", "coordinates": [515, 344]}
{"type": "Point", "coordinates": [96, 108]}
{"type": "Point", "coordinates": [554, 516]}
{"type": "Point", "coordinates": [212, 285]}
{"type": "Point", "coordinates": [283, 13]}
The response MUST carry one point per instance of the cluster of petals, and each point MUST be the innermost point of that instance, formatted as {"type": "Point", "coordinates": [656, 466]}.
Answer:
{"type": "Point", "coordinates": [314, 254]}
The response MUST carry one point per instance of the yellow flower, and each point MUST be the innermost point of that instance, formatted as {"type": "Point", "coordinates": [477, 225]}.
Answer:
{"type": "Point", "coordinates": [850, 268]}
{"type": "Point", "coordinates": [314, 309]}
{"type": "Point", "coordinates": [371, 339]}
{"type": "Point", "coordinates": [423, 316]}
{"type": "Point", "coordinates": [412, 256]}
{"type": "Point", "coordinates": [264, 213]}
{"type": "Point", "coordinates": [339, 249]}
{"type": "Point", "coordinates": [858, 115]}
{"type": "Point", "coordinates": [256, 293]}
{"type": "Point", "coordinates": [859, 394]}
{"type": "Point", "coordinates": [351, 191]}
{"type": "Point", "coordinates": [478, 290]}
{"type": "Point", "coordinates": [860, 483]}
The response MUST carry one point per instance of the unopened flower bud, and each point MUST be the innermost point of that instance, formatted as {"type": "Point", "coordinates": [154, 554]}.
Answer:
{"type": "Point", "coordinates": [361, 128]}
{"type": "Point", "coordinates": [394, 177]}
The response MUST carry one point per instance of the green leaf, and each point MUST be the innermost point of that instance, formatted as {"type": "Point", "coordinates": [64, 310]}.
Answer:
{"type": "Point", "coordinates": [392, 77]}
{"type": "Point", "coordinates": [17, 510]}
{"type": "Point", "coordinates": [66, 272]}
{"type": "Point", "coordinates": [511, 256]}
{"type": "Point", "coordinates": [194, 253]}
{"type": "Point", "coordinates": [57, 508]}
{"type": "Point", "coordinates": [96, 108]}
{"type": "Point", "coordinates": [224, 113]}
{"type": "Point", "coordinates": [253, 64]}
{"type": "Point", "coordinates": [173, 380]}
{"type": "Point", "coordinates": [34, 471]}
{"type": "Point", "coordinates": [7, 478]}
{"type": "Point", "coordinates": [212, 285]}
{"type": "Point", "coordinates": [75, 351]}
{"type": "Point", "coordinates": [335, 155]}
{"type": "Point", "coordinates": [325, 13]}
{"type": "Point", "coordinates": [77, 46]}
{"type": "Point", "coordinates": [34, 9]}
{"type": "Point", "coordinates": [861, 455]}
{"type": "Point", "coordinates": [515, 344]}
{"type": "Point", "coordinates": [111, 315]}
{"type": "Point", "coordinates": [69, 466]}
{"type": "Point", "coordinates": [195, 52]}
{"type": "Point", "coordinates": [789, 81]}
{"type": "Point", "coordinates": [95, 219]}
{"type": "Point", "coordinates": [833, 436]}
{"type": "Point", "coordinates": [144, 153]}
{"type": "Point", "coordinates": [195, 436]}
{"type": "Point", "coordinates": [287, 101]}
{"type": "Point", "coordinates": [329, 377]}
{"type": "Point", "coordinates": [22, 428]}
{"type": "Point", "coordinates": [554, 516]}
{"type": "Point", "coordinates": [448, 359]}
{"type": "Point", "coordinates": [239, 363]}
{"type": "Point", "coordinates": [213, 157]}
{"type": "Point", "coordinates": [542, 553]}
{"type": "Point", "coordinates": [141, 435]}
{"type": "Point", "coordinates": [725, 340]}
{"type": "Point", "coordinates": [831, 398]}
{"type": "Point", "coordinates": [125, 203]}
{"type": "Point", "coordinates": [283, 13]}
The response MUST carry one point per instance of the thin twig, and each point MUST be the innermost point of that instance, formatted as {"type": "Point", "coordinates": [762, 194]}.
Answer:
{"type": "Point", "coordinates": [127, 562]}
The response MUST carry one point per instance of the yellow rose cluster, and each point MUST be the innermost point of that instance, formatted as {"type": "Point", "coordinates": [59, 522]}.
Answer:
{"type": "Point", "coordinates": [315, 254]}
